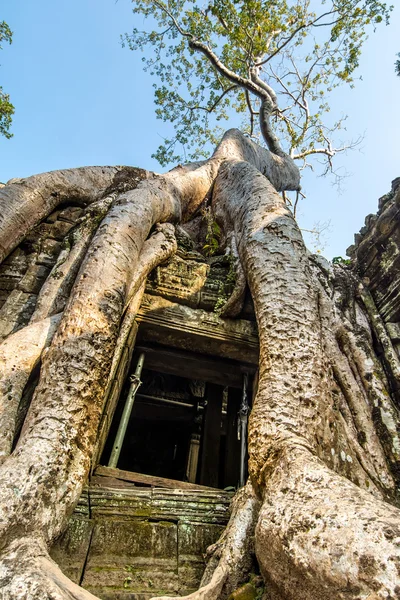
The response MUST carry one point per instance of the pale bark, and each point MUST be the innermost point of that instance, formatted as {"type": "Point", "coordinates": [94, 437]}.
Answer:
{"type": "Point", "coordinates": [234, 303]}
{"type": "Point", "coordinates": [307, 507]}
{"type": "Point", "coordinates": [320, 536]}
{"type": "Point", "coordinates": [25, 202]}
{"type": "Point", "coordinates": [19, 354]}
{"type": "Point", "coordinates": [28, 572]}
{"type": "Point", "coordinates": [59, 432]}
{"type": "Point", "coordinates": [55, 292]}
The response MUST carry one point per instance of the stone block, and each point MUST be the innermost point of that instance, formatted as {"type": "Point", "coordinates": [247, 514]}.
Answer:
{"type": "Point", "coordinates": [194, 539]}
{"type": "Point", "coordinates": [52, 218]}
{"type": "Point", "coordinates": [132, 556]}
{"type": "Point", "coordinates": [17, 259]}
{"type": "Point", "coordinates": [112, 582]}
{"type": "Point", "coordinates": [175, 325]}
{"type": "Point", "coordinates": [13, 269]}
{"type": "Point", "coordinates": [393, 330]}
{"type": "Point", "coordinates": [70, 550]}
{"type": "Point", "coordinates": [197, 506]}
{"type": "Point", "coordinates": [3, 297]}
{"type": "Point", "coordinates": [115, 540]}
{"type": "Point", "coordinates": [34, 278]}
{"type": "Point", "coordinates": [70, 214]}
{"type": "Point", "coordinates": [123, 594]}
{"type": "Point", "coordinates": [49, 250]}
{"type": "Point", "coordinates": [245, 592]}
{"type": "Point", "coordinates": [142, 542]}
{"type": "Point", "coordinates": [108, 503]}
{"type": "Point", "coordinates": [59, 229]}
{"type": "Point", "coordinates": [43, 230]}
{"type": "Point", "coordinates": [8, 283]}
{"type": "Point", "coordinates": [180, 280]}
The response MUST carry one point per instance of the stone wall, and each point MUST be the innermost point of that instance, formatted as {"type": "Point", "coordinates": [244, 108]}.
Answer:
{"type": "Point", "coordinates": [25, 270]}
{"type": "Point", "coordinates": [132, 543]}
{"type": "Point", "coordinates": [376, 258]}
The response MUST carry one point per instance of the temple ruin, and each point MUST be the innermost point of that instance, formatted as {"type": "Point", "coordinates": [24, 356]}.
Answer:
{"type": "Point", "coordinates": [163, 473]}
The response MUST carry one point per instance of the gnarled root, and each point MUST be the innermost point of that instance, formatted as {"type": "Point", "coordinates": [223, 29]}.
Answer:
{"type": "Point", "coordinates": [19, 354]}
{"type": "Point", "coordinates": [156, 249]}
{"type": "Point", "coordinates": [233, 306]}
{"type": "Point", "coordinates": [29, 572]}
{"type": "Point", "coordinates": [230, 559]}
{"type": "Point", "coordinates": [55, 291]}
{"type": "Point", "coordinates": [25, 202]}
{"type": "Point", "coordinates": [320, 536]}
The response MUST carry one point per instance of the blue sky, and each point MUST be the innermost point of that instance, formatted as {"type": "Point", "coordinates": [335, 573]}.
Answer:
{"type": "Point", "coordinates": [82, 99]}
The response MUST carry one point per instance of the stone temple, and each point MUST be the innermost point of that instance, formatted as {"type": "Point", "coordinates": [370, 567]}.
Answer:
{"type": "Point", "coordinates": [171, 448]}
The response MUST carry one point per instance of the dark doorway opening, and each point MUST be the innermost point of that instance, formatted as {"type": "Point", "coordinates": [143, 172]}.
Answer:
{"type": "Point", "coordinates": [185, 419]}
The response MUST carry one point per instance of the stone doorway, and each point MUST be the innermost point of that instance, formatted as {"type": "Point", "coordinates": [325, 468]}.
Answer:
{"type": "Point", "coordinates": [185, 422]}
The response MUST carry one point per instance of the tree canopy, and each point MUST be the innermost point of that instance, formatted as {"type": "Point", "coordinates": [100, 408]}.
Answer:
{"type": "Point", "coordinates": [6, 108]}
{"type": "Point", "coordinates": [397, 65]}
{"type": "Point", "coordinates": [279, 58]}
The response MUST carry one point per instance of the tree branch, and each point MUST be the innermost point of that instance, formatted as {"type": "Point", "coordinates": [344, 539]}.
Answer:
{"type": "Point", "coordinates": [289, 39]}
{"type": "Point", "coordinates": [164, 9]}
{"type": "Point", "coordinates": [223, 70]}
{"type": "Point", "coordinates": [251, 110]}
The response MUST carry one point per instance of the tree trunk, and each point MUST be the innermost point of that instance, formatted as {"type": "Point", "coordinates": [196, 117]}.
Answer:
{"type": "Point", "coordinates": [321, 498]}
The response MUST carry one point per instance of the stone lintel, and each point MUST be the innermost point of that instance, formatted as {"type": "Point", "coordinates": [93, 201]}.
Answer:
{"type": "Point", "coordinates": [171, 324]}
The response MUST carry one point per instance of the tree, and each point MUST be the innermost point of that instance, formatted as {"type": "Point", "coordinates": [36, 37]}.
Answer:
{"type": "Point", "coordinates": [272, 60]}
{"type": "Point", "coordinates": [324, 526]}
{"type": "Point", "coordinates": [6, 108]}
{"type": "Point", "coordinates": [397, 65]}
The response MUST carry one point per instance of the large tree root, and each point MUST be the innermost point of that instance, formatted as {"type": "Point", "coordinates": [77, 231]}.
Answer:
{"type": "Point", "coordinates": [27, 571]}
{"type": "Point", "coordinates": [25, 202]}
{"type": "Point", "coordinates": [295, 418]}
{"type": "Point", "coordinates": [362, 388]}
{"type": "Point", "coordinates": [19, 354]}
{"type": "Point", "coordinates": [320, 536]}
{"type": "Point", "coordinates": [234, 304]}
{"type": "Point", "coordinates": [55, 291]}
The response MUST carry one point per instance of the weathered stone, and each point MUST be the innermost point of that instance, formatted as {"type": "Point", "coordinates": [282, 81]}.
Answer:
{"type": "Point", "coordinates": [136, 555]}
{"type": "Point", "coordinates": [395, 184]}
{"type": "Point", "coordinates": [34, 278]}
{"type": "Point", "coordinates": [72, 548]}
{"type": "Point", "coordinates": [43, 230]}
{"type": "Point", "coordinates": [49, 250]}
{"type": "Point", "coordinates": [12, 270]}
{"type": "Point", "coordinates": [245, 592]}
{"type": "Point", "coordinates": [16, 311]}
{"type": "Point", "coordinates": [179, 326]}
{"type": "Point", "coordinates": [52, 218]}
{"type": "Point", "coordinates": [194, 539]}
{"type": "Point", "coordinates": [59, 229]}
{"type": "Point", "coordinates": [181, 281]}
{"type": "Point", "coordinates": [189, 279]}
{"type": "Point", "coordinates": [141, 542]}
{"type": "Point", "coordinates": [377, 255]}
{"type": "Point", "coordinates": [393, 331]}
{"type": "Point", "coordinates": [70, 214]}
